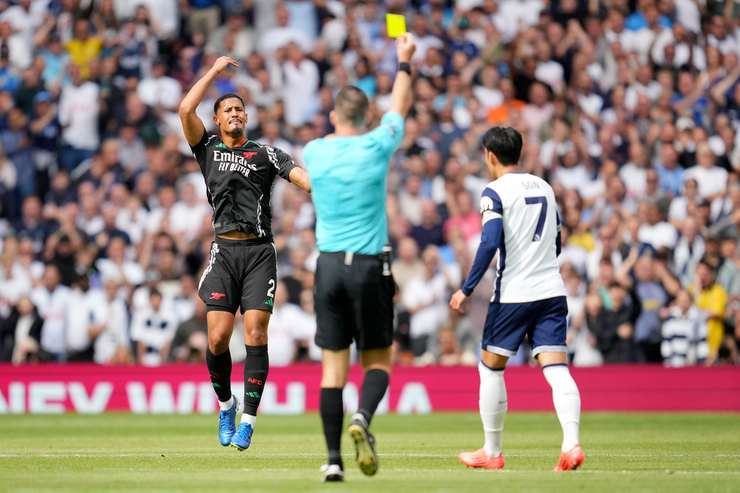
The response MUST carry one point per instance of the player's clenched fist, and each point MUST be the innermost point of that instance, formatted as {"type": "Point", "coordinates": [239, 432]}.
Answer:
{"type": "Point", "coordinates": [222, 64]}
{"type": "Point", "coordinates": [405, 47]}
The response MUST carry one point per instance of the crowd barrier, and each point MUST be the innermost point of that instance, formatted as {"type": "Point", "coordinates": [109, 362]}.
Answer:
{"type": "Point", "coordinates": [186, 389]}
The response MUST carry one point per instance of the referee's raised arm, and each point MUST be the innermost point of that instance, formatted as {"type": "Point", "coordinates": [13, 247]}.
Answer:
{"type": "Point", "coordinates": [401, 93]}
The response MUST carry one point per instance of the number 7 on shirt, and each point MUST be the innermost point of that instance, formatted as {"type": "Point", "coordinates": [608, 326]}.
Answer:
{"type": "Point", "coordinates": [543, 214]}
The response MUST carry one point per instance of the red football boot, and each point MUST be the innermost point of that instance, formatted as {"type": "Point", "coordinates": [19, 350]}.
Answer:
{"type": "Point", "coordinates": [570, 460]}
{"type": "Point", "coordinates": [479, 459]}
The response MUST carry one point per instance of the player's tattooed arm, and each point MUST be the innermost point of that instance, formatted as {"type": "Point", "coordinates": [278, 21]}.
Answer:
{"type": "Point", "coordinates": [299, 178]}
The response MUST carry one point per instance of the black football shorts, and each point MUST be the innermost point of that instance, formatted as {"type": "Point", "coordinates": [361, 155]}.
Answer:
{"type": "Point", "coordinates": [240, 274]}
{"type": "Point", "coordinates": [353, 296]}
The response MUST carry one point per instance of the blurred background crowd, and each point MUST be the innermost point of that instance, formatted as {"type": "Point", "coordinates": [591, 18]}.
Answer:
{"type": "Point", "coordinates": [630, 108]}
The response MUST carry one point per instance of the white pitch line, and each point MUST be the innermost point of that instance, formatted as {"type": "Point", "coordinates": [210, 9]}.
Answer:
{"type": "Point", "coordinates": [421, 455]}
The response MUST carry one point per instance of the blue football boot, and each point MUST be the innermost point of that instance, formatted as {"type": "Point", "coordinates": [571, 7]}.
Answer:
{"type": "Point", "coordinates": [226, 423]}
{"type": "Point", "coordinates": [243, 437]}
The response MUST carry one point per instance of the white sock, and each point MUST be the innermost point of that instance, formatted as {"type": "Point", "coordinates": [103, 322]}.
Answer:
{"type": "Point", "coordinates": [226, 405]}
{"type": "Point", "coordinates": [248, 418]}
{"type": "Point", "coordinates": [567, 402]}
{"type": "Point", "coordinates": [492, 403]}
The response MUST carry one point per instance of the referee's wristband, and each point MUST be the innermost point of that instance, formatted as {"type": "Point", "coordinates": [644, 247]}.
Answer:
{"type": "Point", "coordinates": [404, 67]}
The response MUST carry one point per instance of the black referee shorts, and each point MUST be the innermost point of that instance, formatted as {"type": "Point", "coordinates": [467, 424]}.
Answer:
{"type": "Point", "coordinates": [353, 296]}
{"type": "Point", "coordinates": [240, 274]}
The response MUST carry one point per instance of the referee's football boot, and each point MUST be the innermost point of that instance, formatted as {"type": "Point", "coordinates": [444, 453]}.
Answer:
{"type": "Point", "coordinates": [226, 423]}
{"type": "Point", "coordinates": [333, 473]}
{"type": "Point", "coordinates": [243, 437]}
{"type": "Point", "coordinates": [364, 441]}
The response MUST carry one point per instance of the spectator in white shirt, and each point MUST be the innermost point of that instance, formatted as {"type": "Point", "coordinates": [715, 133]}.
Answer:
{"type": "Point", "coordinates": [548, 70]}
{"type": "Point", "coordinates": [689, 250]}
{"type": "Point", "coordinates": [82, 319]}
{"type": "Point", "coordinates": [159, 90]}
{"type": "Point", "coordinates": [116, 265]}
{"type": "Point", "coordinates": [52, 299]}
{"type": "Point", "coordinates": [538, 111]}
{"type": "Point", "coordinates": [712, 179]}
{"type": "Point", "coordinates": [15, 281]}
{"type": "Point", "coordinates": [407, 265]}
{"type": "Point", "coordinates": [18, 47]}
{"type": "Point", "coordinates": [188, 213]}
{"type": "Point", "coordinates": [634, 172]}
{"type": "Point", "coordinates": [424, 298]}
{"type": "Point", "coordinates": [112, 344]}
{"type": "Point", "coordinates": [300, 86]}
{"type": "Point", "coordinates": [678, 209]}
{"type": "Point", "coordinates": [719, 37]}
{"type": "Point", "coordinates": [486, 90]}
{"type": "Point", "coordinates": [653, 229]}
{"type": "Point", "coordinates": [78, 114]}
{"type": "Point", "coordinates": [288, 330]}
{"type": "Point", "coordinates": [236, 32]}
{"type": "Point", "coordinates": [159, 217]}
{"type": "Point", "coordinates": [89, 219]}
{"type": "Point", "coordinates": [410, 199]}
{"type": "Point", "coordinates": [152, 329]}
{"type": "Point", "coordinates": [571, 173]}
{"type": "Point", "coordinates": [282, 34]}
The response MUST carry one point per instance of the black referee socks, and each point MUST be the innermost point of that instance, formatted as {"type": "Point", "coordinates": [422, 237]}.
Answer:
{"type": "Point", "coordinates": [255, 375]}
{"type": "Point", "coordinates": [219, 367]}
{"type": "Point", "coordinates": [373, 390]}
{"type": "Point", "coordinates": [332, 416]}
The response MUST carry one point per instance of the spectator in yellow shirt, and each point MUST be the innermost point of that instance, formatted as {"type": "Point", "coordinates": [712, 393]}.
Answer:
{"type": "Point", "coordinates": [83, 48]}
{"type": "Point", "coordinates": [712, 298]}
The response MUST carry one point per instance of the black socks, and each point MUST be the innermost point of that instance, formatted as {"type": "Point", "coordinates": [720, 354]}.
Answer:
{"type": "Point", "coordinates": [332, 416]}
{"type": "Point", "coordinates": [219, 367]}
{"type": "Point", "coordinates": [255, 375]}
{"type": "Point", "coordinates": [373, 390]}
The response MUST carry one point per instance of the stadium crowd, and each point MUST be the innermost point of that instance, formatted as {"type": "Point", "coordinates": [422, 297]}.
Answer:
{"type": "Point", "coordinates": [631, 109]}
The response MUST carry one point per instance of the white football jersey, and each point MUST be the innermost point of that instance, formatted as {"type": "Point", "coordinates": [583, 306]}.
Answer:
{"type": "Point", "coordinates": [527, 268]}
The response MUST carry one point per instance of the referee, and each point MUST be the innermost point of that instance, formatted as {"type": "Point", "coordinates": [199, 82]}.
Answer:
{"type": "Point", "coordinates": [354, 287]}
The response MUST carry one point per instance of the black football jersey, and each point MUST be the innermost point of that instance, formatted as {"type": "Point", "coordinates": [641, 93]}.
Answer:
{"type": "Point", "coordinates": [239, 182]}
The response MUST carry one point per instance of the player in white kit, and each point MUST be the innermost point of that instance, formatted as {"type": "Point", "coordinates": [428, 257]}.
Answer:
{"type": "Point", "coordinates": [521, 222]}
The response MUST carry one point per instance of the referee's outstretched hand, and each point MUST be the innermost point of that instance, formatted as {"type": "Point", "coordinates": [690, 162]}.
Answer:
{"type": "Point", "coordinates": [222, 63]}
{"type": "Point", "coordinates": [405, 47]}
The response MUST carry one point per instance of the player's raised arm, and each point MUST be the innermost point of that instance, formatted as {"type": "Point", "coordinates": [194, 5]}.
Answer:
{"type": "Point", "coordinates": [192, 125]}
{"type": "Point", "coordinates": [401, 93]}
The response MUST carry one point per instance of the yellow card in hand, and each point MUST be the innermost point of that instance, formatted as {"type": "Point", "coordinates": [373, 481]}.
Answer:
{"type": "Point", "coordinates": [395, 25]}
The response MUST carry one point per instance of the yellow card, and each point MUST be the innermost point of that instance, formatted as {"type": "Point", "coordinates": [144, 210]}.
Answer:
{"type": "Point", "coordinates": [395, 25]}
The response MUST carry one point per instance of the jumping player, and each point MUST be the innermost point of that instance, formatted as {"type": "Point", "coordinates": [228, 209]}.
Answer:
{"type": "Point", "coordinates": [242, 268]}
{"type": "Point", "coordinates": [521, 222]}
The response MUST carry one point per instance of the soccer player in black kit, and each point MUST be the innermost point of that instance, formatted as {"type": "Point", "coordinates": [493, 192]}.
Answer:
{"type": "Point", "coordinates": [242, 267]}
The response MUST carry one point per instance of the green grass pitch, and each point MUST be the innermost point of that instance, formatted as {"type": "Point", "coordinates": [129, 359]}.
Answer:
{"type": "Point", "coordinates": [122, 452]}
